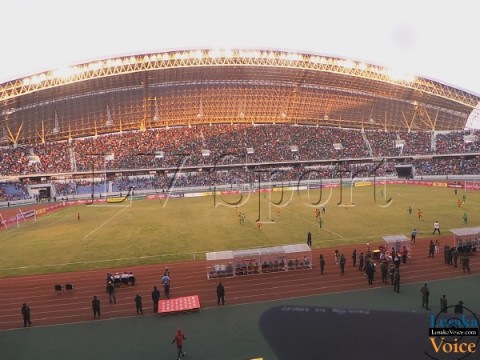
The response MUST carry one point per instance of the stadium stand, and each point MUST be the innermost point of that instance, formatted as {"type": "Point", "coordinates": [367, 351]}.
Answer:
{"type": "Point", "coordinates": [269, 110]}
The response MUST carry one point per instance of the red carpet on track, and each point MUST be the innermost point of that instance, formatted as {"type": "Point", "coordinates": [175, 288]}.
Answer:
{"type": "Point", "coordinates": [180, 304]}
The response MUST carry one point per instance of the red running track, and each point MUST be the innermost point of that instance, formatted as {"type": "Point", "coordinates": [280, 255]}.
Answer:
{"type": "Point", "coordinates": [189, 278]}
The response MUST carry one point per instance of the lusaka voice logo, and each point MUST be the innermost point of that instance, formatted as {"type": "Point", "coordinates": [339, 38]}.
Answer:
{"type": "Point", "coordinates": [453, 336]}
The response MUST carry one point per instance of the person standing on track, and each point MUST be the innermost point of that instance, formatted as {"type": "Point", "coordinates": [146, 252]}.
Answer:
{"type": "Point", "coordinates": [431, 249]}
{"type": "Point", "coordinates": [384, 271]}
{"type": "Point", "coordinates": [404, 255]}
{"type": "Point", "coordinates": [96, 307]}
{"type": "Point", "coordinates": [166, 285]}
{"type": "Point", "coordinates": [465, 262]}
{"type": "Point", "coordinates": [138, 304]}
{"type": "Point", "coordinates": [370, 271]}
{"type": "Point", "coordinates": [155, 299]}
{"type": "Point", "coordinates": [342, 262]}
{"type": "Point", "coordinates": [322, 264]}
{"type": "Point", "coordinates": [26, 315]}
{"type": "Point", "coordinates": [220, 294]}
{"type": "Point", "coordinates": [354, 257]}
{"type": "Point", "coordinates": [360, 263]}
{"type": "Point", "coordinates": [111, 293]}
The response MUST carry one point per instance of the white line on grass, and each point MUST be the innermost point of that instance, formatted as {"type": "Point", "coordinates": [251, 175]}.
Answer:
{"type": "Point", "coordinates": [104, 223]}
{"type": "Point", "coordinates": [40, 218]}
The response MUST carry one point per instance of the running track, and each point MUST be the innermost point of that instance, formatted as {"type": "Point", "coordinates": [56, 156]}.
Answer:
{"type": "Point", "coordinates": [189, 278]}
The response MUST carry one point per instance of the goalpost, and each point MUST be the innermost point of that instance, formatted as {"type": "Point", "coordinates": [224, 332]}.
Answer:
{"type": "Point", "coordinates": [24, 216]}
{"type": "Point", "coordinates": [471, 185]}
{"type": "Point", "coordinates": [3, 222]}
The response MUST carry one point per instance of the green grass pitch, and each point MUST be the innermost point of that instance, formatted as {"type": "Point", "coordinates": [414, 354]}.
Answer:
{"type": "Point", "coordinates": [153, 231]}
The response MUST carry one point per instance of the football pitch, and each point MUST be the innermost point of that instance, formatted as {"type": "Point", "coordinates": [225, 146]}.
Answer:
{"type": "Point", "coordinates": [151, 231]}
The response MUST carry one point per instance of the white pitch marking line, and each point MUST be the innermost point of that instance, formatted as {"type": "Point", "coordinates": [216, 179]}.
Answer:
{"type": "Point", "coordinates": [104, 223]}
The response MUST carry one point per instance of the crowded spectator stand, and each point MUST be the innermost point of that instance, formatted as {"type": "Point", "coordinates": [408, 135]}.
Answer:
{"type": "Point", "coordinates": [466, 240]}
{"type": "Point", "coordinates": [258, 261]}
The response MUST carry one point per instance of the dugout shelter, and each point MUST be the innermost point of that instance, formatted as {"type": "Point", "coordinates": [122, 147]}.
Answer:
{"type": "Point", "coordinates": [466, 240]}
{"type": "Point", "coordinates": [257, 261]}
{"type": "Point", "coordinates": [397, 242]}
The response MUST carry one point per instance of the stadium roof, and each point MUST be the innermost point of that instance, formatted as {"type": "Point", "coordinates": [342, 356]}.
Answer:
{"type": "Point", "coordinates": [190, 87]}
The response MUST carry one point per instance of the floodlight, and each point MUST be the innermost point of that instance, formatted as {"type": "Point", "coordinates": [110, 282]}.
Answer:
{"type": "Point", "coordinates": [214, 54]}
{"type": "Point", "coordinates": [35, 80]}
{"type": "Point", "coordinates": [400, 76]}
{"type": "Point", "coordinates": [196, 54]}
{"type": "Point", "coordinates": [362, 66]}
{"type": "Point", "coordinates": [65, 72]}
{"type": "Point", "coordinates": [349, 64]}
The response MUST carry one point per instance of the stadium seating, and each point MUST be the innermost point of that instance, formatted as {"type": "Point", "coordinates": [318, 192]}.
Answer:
{"type": "Point", "coordinates": [267, 143]}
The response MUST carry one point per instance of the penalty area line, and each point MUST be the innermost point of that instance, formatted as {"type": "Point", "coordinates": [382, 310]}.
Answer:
{"type": "Point", "coordinates": [103, 224]}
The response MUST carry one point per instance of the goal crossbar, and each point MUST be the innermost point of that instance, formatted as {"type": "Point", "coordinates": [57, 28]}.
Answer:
{"type": "Point", "coordinates": [25, 216]}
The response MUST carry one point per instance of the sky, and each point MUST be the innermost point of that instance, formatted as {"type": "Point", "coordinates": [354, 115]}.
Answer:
{"type": "Point", "coordinates": [429, 38]}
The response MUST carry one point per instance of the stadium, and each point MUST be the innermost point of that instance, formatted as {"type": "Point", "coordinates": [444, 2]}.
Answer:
{"type": "Point", "coordinates": [91, 147]}
{"type": "Point", "coordinates": [67, 123]}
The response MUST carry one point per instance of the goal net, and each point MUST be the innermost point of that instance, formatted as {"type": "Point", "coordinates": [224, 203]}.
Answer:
{"type": "Point", "coordinates": [24, 216]}
{"type": "Point", "coordinates": [471, 185]}
{"type": "Point", "coordinates": [3, 223]}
